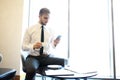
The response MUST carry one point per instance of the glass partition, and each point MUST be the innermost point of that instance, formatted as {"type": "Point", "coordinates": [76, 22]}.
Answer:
{"type": "Point", "coordinates": [89, 36]}
{"type": "Point", "coordinates": [116, 11]}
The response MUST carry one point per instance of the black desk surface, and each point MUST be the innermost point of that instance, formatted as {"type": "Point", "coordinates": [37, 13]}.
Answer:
{"type": "Point", "coordinates": [6, 72]}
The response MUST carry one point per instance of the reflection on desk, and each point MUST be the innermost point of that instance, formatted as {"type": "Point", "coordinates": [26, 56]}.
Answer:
{"type": "Point", "coordinates": [79, 70]}
{"type": "Point", "coordinates": [69, 74]}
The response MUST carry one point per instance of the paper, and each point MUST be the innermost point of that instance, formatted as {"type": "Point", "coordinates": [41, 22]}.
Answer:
{"type": "Point", "coordinates": [60, 72]}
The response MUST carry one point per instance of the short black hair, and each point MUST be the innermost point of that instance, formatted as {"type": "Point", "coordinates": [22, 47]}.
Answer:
{"type": "Point", "coordinates": [44, 11]}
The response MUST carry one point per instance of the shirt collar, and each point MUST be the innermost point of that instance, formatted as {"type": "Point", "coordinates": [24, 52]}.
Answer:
{"type": "Point", "coordinates": [40, 25]}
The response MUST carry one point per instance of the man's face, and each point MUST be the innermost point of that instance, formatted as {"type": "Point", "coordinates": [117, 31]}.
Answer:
{"type": "Point", "coordinates": [44, 19]}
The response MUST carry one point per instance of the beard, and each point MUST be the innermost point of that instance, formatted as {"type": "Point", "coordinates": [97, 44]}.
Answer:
{"type": "Point", "coordinates": [43, 23]}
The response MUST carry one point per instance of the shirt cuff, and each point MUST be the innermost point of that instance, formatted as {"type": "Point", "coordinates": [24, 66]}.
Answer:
{"type": "Point", "coordinates": [53, 46]}
{"type": "Point", "coordinates": [31, 47]}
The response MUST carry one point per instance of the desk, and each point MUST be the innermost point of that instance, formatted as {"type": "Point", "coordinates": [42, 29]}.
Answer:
{"type": "Point", "coordinates": [6, 73]}
{"type": "Point", "coordinates": [67, 74]}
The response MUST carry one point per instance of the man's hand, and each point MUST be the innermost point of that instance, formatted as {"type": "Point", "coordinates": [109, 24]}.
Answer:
{"type": "Point", "coordinates": [37, 45]}
{"type": "Point", "coordinates": [56, 41]}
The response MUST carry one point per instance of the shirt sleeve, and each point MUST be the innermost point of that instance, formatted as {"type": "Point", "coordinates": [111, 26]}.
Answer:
{"type": "Point", "coordinates": [53, 37]}
{"type": "Point", "coordinates": [26, 45]}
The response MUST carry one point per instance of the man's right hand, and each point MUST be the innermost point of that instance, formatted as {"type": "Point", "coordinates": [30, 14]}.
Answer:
{"type": "Point", "coordinates": [37, 45]}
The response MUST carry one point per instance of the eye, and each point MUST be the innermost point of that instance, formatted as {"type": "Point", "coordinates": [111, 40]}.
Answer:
{"type": "Point", "coordinates": [45, 17]}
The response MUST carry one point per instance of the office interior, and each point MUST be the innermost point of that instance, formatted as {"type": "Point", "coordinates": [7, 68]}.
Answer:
{"type": "Point", "coordinates": [91, 32]}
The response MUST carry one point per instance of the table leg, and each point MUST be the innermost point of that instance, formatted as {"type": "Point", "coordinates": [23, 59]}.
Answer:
{"type": "Point", "coordinates": [58, 79]}
{"type": "Point", "coordinates": [85, 78]}
{"type": "Point", "coordinates": [79, 79]}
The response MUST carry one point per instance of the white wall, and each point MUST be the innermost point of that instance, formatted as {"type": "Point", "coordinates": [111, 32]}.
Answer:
{"type": "Point", "coordinates": [10, 33]}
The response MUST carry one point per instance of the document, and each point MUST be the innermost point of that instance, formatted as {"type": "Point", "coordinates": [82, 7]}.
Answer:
{"type": "Point", "coordinates": [59, 72]}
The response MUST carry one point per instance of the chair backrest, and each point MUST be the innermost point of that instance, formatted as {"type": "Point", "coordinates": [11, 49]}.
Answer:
{"type": "Point", "coordinates": [23, 58]}
{"type": "Point", "coordinates": [1, 57]}
{"type": "Point", "coordinates": [23, 62]}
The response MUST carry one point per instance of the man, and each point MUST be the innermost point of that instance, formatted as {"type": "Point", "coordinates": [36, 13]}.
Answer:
{"type": "Point", "coordinates": [32, 43]}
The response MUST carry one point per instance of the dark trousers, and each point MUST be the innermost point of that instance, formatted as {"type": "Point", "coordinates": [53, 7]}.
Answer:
{"type": "Point", "coordinates": [34, 62]}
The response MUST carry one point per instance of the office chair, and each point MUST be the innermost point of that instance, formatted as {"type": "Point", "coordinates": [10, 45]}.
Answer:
{"type": "Point", "coordinates": [23, 58]}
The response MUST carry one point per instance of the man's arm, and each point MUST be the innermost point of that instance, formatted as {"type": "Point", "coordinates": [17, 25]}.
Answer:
{"type": "Point", "coordinates": [26, 45]}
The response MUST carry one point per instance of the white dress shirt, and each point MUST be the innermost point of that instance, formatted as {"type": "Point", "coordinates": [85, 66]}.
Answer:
{"type": "Point", "coordinates": [33, 35]}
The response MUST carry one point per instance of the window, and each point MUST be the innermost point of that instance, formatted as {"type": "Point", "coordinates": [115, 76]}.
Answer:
{"type": "Point", "coordinates": [116, 9]}
{"type": "Point", "coordinates": [89, 35]}
{"type": "Point", "coordinates": [86, 30]}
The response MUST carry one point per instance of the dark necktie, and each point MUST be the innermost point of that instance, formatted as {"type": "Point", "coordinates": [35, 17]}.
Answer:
{"type": "Point", "coordinates": [42, 39]}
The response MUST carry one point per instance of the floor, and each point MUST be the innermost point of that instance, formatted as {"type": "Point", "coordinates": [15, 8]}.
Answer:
{"type": "Point", "coordinates": [38, 77]}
